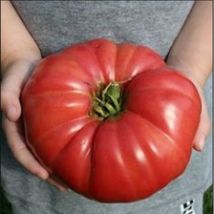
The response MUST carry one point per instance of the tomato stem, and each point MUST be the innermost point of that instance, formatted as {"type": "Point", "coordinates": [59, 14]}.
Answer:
{"type": "Point", "coordinates": [108, 102]}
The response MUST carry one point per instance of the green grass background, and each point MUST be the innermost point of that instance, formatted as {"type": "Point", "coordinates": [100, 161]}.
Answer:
{"type": "Point", "coordinates": [5, 206]}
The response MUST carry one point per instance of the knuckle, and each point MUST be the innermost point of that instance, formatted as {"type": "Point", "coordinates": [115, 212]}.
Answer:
{"type": "Point", "coordinates": [4, 97]}
{"type": "Point", "coordinates": [17, 149]}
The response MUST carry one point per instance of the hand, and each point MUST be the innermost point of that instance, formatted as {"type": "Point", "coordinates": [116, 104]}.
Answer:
{"type": "Point", "coordinates": [191, 53]}
{"type": "Point", "coordinates": [13, 78]}
{"type": "Point", "coordinates": [204, 125]}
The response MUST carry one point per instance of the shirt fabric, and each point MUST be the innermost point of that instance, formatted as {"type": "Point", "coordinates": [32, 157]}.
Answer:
{"type": "Point", "coordinates": [57, 24]}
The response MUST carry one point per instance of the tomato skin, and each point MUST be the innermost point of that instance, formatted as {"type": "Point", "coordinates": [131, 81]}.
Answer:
{"type": "Point", "coordinates": [121, 159]}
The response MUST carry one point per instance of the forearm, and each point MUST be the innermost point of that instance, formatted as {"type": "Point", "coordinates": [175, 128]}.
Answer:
{"type": "Point", "coordinates": [16, 42]}
{"type": "Point", "coordinates": [191, 52]}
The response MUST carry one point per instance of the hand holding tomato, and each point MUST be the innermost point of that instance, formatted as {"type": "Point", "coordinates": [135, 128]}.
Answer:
{"type": "Point", "coordinates": [102, 116]}
{"type": "Point", "coordinates": [204, 125]}
{"type": "Point", "coordinates": [188, 46]}
{"type": "Point", "coordinates": [12, 81]}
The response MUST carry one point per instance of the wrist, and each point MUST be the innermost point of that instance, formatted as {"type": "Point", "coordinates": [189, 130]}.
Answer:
{"type": "Point", "coordinates": [188, 69]}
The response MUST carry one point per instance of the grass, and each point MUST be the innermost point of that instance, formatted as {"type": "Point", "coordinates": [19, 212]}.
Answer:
{"type": "Point", "coordinates": [6, 208]}
{"type": "Point", "coordinates": [208, 201]}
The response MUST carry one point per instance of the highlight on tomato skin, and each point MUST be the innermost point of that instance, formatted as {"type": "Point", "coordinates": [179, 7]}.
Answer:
{"type": "Point", "coordinates": [110, 120]}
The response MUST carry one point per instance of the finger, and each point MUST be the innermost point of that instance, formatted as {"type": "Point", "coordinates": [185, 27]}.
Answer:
{"type": "Point", "coordinates": [203, 128]}
{"type": "Point", "coordinates": [20, 150]}
{"type": "Point", "coordinates": [10, 105]}
{"type": "Point", "coordinates": [57, 183]}
{"type": "Point", "coordinates": [11, 85]}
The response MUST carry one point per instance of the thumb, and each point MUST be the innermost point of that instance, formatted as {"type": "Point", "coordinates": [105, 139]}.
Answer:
{"type": "Point", "coordinates": [10, 105]}
{"type": "Point", "coordinates": [203, 128]}
{"type": "Point", "coordinates": [204, 124]}
{"type": "Point", "coordinates": [12, 81]}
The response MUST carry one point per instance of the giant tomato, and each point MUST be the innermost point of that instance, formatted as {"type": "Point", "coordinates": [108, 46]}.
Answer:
{"type": "Point", "coordinates": [111, 120]}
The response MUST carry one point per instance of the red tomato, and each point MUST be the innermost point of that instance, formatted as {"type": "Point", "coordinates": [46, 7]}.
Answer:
{"type": "Point", "coordinates": [111, 120]}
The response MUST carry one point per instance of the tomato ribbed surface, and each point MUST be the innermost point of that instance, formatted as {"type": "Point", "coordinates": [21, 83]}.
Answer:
{"type": "Point", "coordinates": [118, 159]}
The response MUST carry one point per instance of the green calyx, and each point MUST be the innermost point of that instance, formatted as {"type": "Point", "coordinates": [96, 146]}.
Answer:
{"type": "Point", "coordinates": [108, 101]}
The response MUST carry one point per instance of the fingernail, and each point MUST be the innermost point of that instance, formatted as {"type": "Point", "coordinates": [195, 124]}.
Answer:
{"type": "Point", "coordinates": [201, 143]}
{"type": "Point", "coordinates": [11, 112]}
